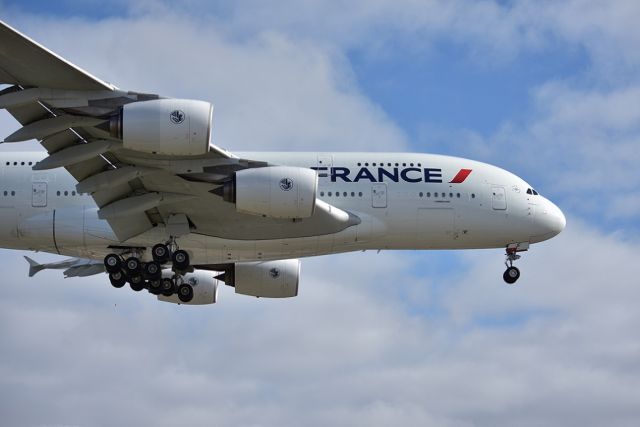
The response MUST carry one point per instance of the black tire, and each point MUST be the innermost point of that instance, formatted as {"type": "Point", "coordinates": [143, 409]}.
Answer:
{"type": "Point", "coordinates": [132, 265]}
{"type": "Point", "coordinates": [112, 263]}
{"type": "Point", "coordinates": [511, 275]}
{"type": "Point", "coordinates": [185, 292]}
{"type": "Point", "coordinates": [166, 286]}
{"type": "Point", "coordinates": [137, 282]}
{"type": "Point", "coordinates": [155, 287]}
{"type": "Point", "coordinates": [117, 279]}
{"type": "Point", "coordinates": [180, 260]}
{"type": "Point", "coordinates": [160, 253]}
{"type": "Point", "coordinates": [152, 270]}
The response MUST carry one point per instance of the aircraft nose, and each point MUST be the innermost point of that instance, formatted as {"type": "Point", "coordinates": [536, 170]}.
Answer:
{"type": "Point", "coordinates": [551, 221]}
{"type": "Point", "coordinates": [557, 219]}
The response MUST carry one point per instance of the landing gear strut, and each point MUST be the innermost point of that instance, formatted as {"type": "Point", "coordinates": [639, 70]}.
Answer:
{"type": "Point", "coordinates": [512, 274]}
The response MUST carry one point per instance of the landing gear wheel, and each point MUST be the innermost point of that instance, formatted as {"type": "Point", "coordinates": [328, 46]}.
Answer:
{"type": "Point", "coordinates": [117, 279]}
{"type": "Point", "coordinates": [511, 275]}
{"type": "Point", "coordinates": [152, 270]}
{"type": "Point", "coordinates": [132, 265]}
{"type": "Point", "coordinates": [160, 253]}
{"type": "Point", "coordinates": [180, 260]}
{"type": "Point", "coordinates": [136, 282]}
{"type": "Point", "coordinates": [155, 287]}
{"type": "Point", "coordinates": [166, 287]}
{"type": "Point", "coordinates": [185, 292]}
{"type": "Point", "coordinates": [112, 263]}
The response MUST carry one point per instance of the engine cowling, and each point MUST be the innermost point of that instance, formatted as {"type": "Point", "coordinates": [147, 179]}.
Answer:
{"type": "Point", "coordinates": [205, 288]}
{"type": "Point", "coordinates": [273, 191]}
{"type": "Point", "coordinates": [178, 127]}
{"type": "Point", "coordinates": [267, 279]}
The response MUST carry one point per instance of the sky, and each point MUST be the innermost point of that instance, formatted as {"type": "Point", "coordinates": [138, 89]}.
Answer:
{"type": "Point", "coordinates": [546, 89]}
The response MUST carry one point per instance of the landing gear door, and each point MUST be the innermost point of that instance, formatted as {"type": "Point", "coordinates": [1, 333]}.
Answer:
{"type": "Point", "coordinates": [379, 195]}
{"type": "Point", "coordinates": [39, 195]}
{"type": "Point", "coordinates": [498, 198]}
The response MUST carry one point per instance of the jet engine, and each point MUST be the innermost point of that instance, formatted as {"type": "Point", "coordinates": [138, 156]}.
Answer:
{"type": "Point", "coordinates": [205, 288]}
{"type": "Point", "coordinates": [268, 279]}
{"type": "Point", "coordinates": [177, 127]}
{"type": "Point", "coordinates": [273, 191]}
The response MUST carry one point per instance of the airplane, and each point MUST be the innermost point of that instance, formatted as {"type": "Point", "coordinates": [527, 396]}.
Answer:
{"type": "Point", "coordinates": [131, 184]}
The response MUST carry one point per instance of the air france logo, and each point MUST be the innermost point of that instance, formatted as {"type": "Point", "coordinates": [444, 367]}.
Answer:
{"type": "Point", "coordinates": [274, 273]}
{"type": "Point", "coordinates": [177, 116]}
{"type": "Point", "coordinates": [388, 174]}
{"type": "Point", "coordinates": [286, 184]}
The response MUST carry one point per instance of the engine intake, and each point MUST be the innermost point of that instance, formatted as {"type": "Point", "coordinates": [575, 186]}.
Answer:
{"type": "Point", "coordinates": [267, 279]}
{"type": "Point", "coordinates": [177, 127]}
{"type": "Point", "coordinates": [273, 191]}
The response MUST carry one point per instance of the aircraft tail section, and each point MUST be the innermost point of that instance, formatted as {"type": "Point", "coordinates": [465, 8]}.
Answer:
{"type": "Point", "coordinates": [34, 267]}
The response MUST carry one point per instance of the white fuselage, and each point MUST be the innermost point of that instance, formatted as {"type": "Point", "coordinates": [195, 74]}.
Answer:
{"type": "Point", "coordinates": [404, 201]}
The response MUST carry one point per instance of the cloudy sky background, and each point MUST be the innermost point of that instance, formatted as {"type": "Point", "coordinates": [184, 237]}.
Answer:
{"type": "Point", "coordinates": [546, 89]}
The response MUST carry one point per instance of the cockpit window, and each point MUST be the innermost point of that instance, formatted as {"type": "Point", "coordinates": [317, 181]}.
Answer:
{"type": "Point", "coordinates": [529, 191]}
{"type": "Point", "coordinates": [532, 192]}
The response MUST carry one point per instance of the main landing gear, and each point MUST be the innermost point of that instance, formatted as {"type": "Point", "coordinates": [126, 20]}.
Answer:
{"type": "Point", "coordinates": [141, 275]}
{"type": "Point", "coordinates": [512, 274]}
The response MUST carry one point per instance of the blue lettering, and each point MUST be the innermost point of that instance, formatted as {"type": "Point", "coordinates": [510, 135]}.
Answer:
{"type": "Point", "coordinates": [433, 175]}
{"type": "Point", "coordinates": [364, 173]}
{"type": "Point", "coordinates": [393, 176]}
{"type": "Point", "coordinates": [342, 173]}
{"type": "Point", "coordinates": [405, 175]}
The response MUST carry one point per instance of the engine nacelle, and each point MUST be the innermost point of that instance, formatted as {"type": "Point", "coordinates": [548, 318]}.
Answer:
{"type": "Point", "coordinates": [267, 279]}
{"type": "Point", "coordinates": [178, 127]}
{"type": "Point", "coordinates": [273, 191]}
{"type": "Point", "coordinates": [205, 288]}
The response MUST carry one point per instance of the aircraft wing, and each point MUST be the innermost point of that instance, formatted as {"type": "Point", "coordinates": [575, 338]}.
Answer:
{"type": "Point", "coordinates": [78, 120]}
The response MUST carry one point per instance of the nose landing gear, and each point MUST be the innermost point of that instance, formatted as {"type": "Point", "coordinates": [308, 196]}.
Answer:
{"type": "Point", "coordinates": [512, 274]}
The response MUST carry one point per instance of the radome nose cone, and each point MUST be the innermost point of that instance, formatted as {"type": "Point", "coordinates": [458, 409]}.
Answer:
{"type": "Point", "coordinates": [556, 220]}
{"type": "Point", "coordinates": [550, 221]}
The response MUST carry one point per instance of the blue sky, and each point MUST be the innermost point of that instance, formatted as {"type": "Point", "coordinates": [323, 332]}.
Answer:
{"type": "Point", "coordinates": [546, 89]}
